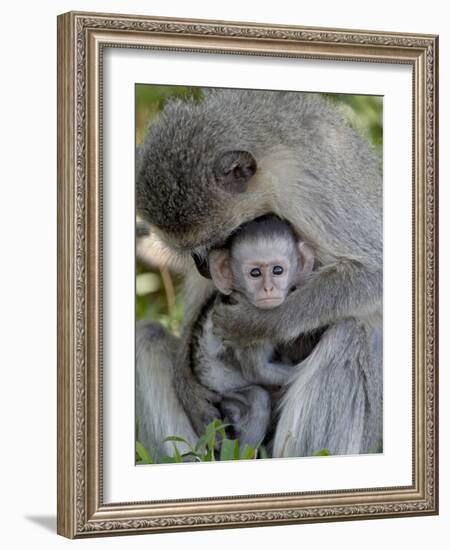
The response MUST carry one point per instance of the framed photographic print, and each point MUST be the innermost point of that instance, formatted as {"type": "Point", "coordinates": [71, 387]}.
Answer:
{"type": "Point", "coordinates": [247, 288]}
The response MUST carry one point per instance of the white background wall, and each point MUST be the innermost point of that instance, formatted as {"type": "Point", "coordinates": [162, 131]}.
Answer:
{"type": "Point", "coordinates": [28, 275]}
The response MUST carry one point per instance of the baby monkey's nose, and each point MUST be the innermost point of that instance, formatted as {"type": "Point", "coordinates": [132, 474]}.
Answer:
{"type": "Point", "coordinates": [268, 283]}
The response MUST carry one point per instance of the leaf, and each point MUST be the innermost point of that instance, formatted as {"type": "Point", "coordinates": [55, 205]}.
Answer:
{"type": "Point", "coordinates": [191, 453]}
{"type": "Point", "coordinates": [247, 452]}
{"type": "Point", "coordinates": [229, 449]}
{"type": "Point", "coordinates": [207, 442]}
{"type": "Point", "coordinates": [211, 435]}
{"type": "Point", "coordinates": [208, 456]}
{"type": "Point", "coordinates": [220, 427]}
{"type": "Point", "coordinates": [176, 438]}
{"type": "Point", "coordinates": [179, 440]}
{"type": "Point", "coordinates": [322, 452]}
{"type": "Point", "coordinates": [201, 443]}
{"type": "Point", "coordinates": [178, 457]}
{"type": "Point", "coordinates": [143, 454]}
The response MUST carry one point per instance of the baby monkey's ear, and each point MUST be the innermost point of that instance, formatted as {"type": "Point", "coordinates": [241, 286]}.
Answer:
{"type": "Point", "coordinates": [220, 269]}
{"type": "Point", "coordinates": [306, 258]}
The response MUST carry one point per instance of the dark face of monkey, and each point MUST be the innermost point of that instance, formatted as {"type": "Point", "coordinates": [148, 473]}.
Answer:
{"type": "Point", "coordinates": [264, 261]}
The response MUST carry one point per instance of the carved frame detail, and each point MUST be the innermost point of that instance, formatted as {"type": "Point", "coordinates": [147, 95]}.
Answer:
{"type": "Point", "coordinates": [81, 37]}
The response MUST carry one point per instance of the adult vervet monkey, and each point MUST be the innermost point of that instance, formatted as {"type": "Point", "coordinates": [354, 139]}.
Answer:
{"type": "Point", "coordinates": [206, 168]}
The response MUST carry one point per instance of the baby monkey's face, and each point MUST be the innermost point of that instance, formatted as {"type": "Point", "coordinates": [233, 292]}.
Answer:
{"type": "Point", "coordinates": [263, 266]}
{"type": "Point", "coordinates": [264, 273]}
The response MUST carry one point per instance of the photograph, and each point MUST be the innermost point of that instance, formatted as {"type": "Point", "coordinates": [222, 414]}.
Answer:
{"type": "Point", "coordinates": [259, 269]}
{"type": "Point", "coordinates": [247, 274]}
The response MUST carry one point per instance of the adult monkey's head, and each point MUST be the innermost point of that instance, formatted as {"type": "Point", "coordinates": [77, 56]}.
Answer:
{"type": "Point", "coordinates": [197, 176]}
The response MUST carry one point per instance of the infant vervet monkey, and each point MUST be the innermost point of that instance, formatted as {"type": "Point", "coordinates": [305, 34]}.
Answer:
{"type": "Point", "coordinates": [264, 260]}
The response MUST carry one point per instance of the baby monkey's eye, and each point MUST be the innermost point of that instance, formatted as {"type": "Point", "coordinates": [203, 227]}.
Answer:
{"type": "Point", "coordinates": [255, 272]}
{"type": "Point", "coordinates": [277, 270]}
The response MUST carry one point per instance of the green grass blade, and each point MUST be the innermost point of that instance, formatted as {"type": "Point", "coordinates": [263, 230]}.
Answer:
{"type": "Point", "coordinates": [322, 452]}
{"type": "Point", "coordinates": [229, 449]}
{"type": "Point", "coordinates": [143, 454]}
{"type": "Point", "coordinates": [247, 452]}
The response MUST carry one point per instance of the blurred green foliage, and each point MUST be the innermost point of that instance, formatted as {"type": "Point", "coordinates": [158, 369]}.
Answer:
{"type": "Point", "coordinates": [158, 299]}
{"type": "Point", "coordinates": [154, 299]}
{"type": "Point", "coordinates": [364, 113]}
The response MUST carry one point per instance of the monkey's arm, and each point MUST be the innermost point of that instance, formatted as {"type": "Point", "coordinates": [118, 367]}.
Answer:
{"type": "Point", "coordinates": [343, 289]}
{"type": "Point", "coordinates": [257, 368]}
{"type": "Point", "coordinates": [275, 374]}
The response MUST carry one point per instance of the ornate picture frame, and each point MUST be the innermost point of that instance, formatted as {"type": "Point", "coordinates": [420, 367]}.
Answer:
{"type": "Point", "coordinates": [82, 38]}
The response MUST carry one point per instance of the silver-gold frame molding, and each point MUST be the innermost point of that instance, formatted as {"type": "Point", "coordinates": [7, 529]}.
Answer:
{"type": "Point", "coordinates": [81, 39]}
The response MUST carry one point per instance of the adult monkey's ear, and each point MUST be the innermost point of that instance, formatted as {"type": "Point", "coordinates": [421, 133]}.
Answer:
{"type": "Point", "coordinates": [233, 170]}
{"type": "Point", "coordinates": [220, 269]}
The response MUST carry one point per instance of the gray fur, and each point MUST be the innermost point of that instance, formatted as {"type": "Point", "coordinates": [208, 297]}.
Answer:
{"type": "Point", "coordinates": [158, 409]}
{"type": "Point", "coordinates": [347, 379]}
{"type": "Point", "coordinates": [250, 410]}
{"type": "Point", "coordinates": [323, 178]}
{"type": "Point", "coordinates": [267, 227]}
{"type": "Point", "coordinates": [237, 376]}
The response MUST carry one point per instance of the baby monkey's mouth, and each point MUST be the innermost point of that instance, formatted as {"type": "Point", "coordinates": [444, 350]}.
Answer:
{"type": "Point", "coordinates": [268, 303]}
